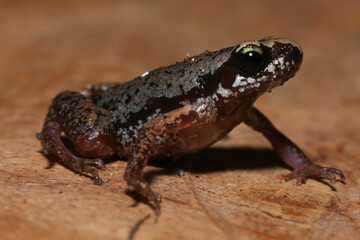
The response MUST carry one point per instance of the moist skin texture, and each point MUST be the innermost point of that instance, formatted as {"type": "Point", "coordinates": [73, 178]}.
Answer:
{"type": "Point", "coordinates": [177, 110]}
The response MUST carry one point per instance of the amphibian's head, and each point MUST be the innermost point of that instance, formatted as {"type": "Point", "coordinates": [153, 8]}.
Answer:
{"type": "Point", "coordinates": [259, 66]}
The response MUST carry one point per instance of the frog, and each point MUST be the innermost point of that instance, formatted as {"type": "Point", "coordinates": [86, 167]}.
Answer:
{"type": "Point", "coordinates": [177, 110]}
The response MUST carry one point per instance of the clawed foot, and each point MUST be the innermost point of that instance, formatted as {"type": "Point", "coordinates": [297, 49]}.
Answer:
{"type": "Point", "coordinates": [155, 198]}
{"type": "Point", "coordinates": [142, 187]}
{"type": "Point", "coordinates": [78, 164]}
{"type": "Point", "coordinates": [315, 171]}
{"type": "Point", "coordinates": [87, 165]}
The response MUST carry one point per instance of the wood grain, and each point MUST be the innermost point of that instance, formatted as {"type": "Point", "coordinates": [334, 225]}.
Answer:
{"type": "Point", "coordinates": [234, 190]}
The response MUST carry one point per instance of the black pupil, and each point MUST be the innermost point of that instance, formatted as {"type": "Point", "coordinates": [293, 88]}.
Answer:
{"type": "Point", "coordinates": [252, 61]}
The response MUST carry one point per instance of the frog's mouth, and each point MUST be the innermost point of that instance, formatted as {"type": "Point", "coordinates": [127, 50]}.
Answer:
{"type": "Point", "coordinates": [280, 82]}
{"type": "Point", "coordinates": [285, 79]}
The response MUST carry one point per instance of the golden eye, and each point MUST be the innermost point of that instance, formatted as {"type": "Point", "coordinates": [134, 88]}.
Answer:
{"type": "Point", "coordinates": [251, 48]}
{"type": "Point", "coordinates": [250, 58]}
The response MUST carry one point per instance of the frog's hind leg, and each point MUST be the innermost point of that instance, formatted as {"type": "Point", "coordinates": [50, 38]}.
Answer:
{"type": "Point", "coordinates": [85, 125]}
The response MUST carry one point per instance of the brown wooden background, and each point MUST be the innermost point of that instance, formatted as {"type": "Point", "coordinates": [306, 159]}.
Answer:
{"type": "Point", "coordinates": [232, 191]}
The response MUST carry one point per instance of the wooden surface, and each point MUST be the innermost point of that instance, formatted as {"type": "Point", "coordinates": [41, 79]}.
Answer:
{"type": "Point", "coordinates": [236, 189]}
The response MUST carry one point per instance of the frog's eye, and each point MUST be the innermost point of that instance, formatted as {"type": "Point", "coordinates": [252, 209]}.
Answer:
{"type": "Point", "coordinates": [250, 58]}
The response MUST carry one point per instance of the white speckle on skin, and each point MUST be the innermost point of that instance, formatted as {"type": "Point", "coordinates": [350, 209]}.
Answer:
{"type": "Point", "coordinates": [260, 79]}
{"type": "Point", "coordinates": [159, 139]}
{"type": "Point", "coordinates": [215, 97]}
{"type": "Point", "coordinates": [281, 60]}
{"type": "Point", "coordinates": [271, 68]}
{"type": "Point", "coordinates": [257, 84]}
{"type": "Point", "coordinates": [223, 91]}
{"type": "Point", "coordinates": [119, 131]}
{"type": "Point", "coordinates": [154, 115]}
{"type": "Point", "coordinates": [84, 93]}
{"type": "Point", "coordinates": [287, 63]}
{"type": "Point", "coordinates": [251, 80]}
{"type": "Point", "coordinates": [144, 74]}
{"type": "Point", "coordinates": [274, 76]}
{"type": "Point", "coordinates": [94, 134]}
{"type": "Point", "coordinates": [104, 87]}
{"type": "Point", "coordinates": [203, 106]}
{"type": "Point", "coordinates": [268, 43]}
{"type": "Point", "coordinates": [239, 81]}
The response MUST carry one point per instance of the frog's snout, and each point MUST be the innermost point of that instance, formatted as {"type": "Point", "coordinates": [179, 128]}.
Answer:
{"type": "Point", "coordinates": [292, 52]}
{"type": "Point", "coordinates": [291, 49]}
{"type": "Point", "coordinates": [296, 55]}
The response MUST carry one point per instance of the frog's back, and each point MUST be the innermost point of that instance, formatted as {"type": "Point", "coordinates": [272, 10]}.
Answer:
{"type": "Point", "coordinates": [160, 90]}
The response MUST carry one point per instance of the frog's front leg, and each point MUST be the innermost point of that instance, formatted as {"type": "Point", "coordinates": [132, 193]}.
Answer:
{"type": "Point", "coordinates": [86, 125]}
{"type": "Point", "coordinates": [156, 137]}
{"type": "Point", "coordinates": [289, 152]}
{"type": "Point", "coordinates": [140, 154]}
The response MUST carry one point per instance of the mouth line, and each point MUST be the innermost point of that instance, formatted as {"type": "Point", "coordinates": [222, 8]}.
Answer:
{"type": "Point", "coordinates": [284, 79]}
{"type": "Point", "coordinates": [287, 77]}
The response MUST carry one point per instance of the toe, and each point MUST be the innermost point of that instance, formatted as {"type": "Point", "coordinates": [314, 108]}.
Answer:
{"type": "Point", "coordinates": [100, 164]}
{"type": "Point", "coordinates": [300, 180]}
{"type": "Point", "coordinates": [290, 176]}
{"type": "Point", "coordinates": [315, 171]}
{"type": "Point", "coordinates": [331, 173]}
{"type": "Point", "coordinates": [98, 181]}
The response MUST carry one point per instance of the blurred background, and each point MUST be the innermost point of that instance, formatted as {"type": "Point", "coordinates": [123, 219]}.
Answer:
{"type": "Point", "coordinates": [50, 46]}
{"type": "Point", "coordinates": [82, 42]}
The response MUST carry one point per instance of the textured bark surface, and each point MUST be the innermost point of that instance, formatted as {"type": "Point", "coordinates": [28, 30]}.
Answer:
{"type": "Point", "coordinates": [234, 190]}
